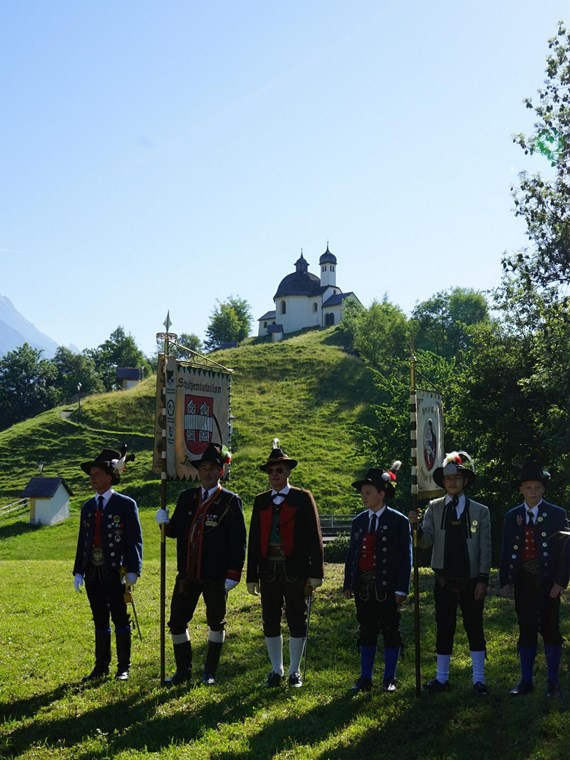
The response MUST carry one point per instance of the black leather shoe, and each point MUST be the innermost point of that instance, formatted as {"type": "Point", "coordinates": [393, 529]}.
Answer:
{"type": "Point", "coordinates": [178, 678]}
{"type": "Point", "coordinates": [553, 691]}
{"type": "Point", "coordinates": [521, 689]}
{"type": "Point", "coordinates": [480, 689]}
{"type": "Point", "coordinates": [389, 684]}
{"type": "Point", "coordinates": [97, 673]}
{"type": "Point", "coordinates": [436, 687]}
{"type": "Point", "coordinates": [362, 684]}
{"type": "Point", "coordinates": [209, 679]}
{"type": "Point", "coordinates": [295, 680]}
{"type": "Point", "coordinates": [121, 675]}
{"type": "Point", "coordinates": [274, 680]}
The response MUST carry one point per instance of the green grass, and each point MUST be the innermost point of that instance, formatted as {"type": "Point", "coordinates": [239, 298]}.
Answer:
{"type": "Point", "coordinates": [306, 391]}
{"type": "Point", "coordinates": [312, 396]}
{"type": "Point", "coordinates": [46, 643]}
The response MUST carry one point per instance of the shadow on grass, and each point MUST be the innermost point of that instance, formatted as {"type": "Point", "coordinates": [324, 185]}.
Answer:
{"type": "Point", "coordinates": [18, 528]}
{"type": "Point", "coordinates": [23, 708]}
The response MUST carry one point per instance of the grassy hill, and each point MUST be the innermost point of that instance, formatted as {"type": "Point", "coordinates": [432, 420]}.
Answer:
{"type": "Point", "coordinates": [311, 395]}
{"type": "Point", "coordinates": [306, 391]}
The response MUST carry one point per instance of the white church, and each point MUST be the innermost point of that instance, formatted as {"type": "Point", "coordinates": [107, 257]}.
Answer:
{"type": "Point", "coordinates": [304, 300]}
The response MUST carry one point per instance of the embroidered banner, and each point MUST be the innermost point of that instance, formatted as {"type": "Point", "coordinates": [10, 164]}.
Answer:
{"type": "Point", "coordinates": [429, 427]}
{"type": "Point", "coordinates": [196, 412]}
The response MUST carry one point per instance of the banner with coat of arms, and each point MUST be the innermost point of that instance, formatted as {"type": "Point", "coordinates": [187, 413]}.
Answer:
{"type": "Point", "coordinates": [429, 430]}
{"type": "Point", "coordinates": [196, 400]}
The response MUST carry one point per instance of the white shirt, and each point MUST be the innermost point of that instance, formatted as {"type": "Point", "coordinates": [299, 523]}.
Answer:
{"type": "Point", "coordinates": [534, 511]}
{"type": "Point", "coordinates": [461, 501]}
{"type": "Point", "coordinates": [280, 494]}
{"type": "Point", "coordinates": [105, 496]}
{"type": "Point", "coordinates": [371, 513]}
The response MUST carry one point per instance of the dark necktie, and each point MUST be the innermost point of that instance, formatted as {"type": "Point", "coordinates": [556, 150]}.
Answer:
{"type": "Point", "coordinates": [100, 503]}
{"type": "Point", "coordinates": [373, 523]}
{"type": "Point", "coordinates": [278, 498]}
{"type": "Point", "coordinates": [455, 503]}
{"type": "Point", "coordinates": [205, 495]}
{"type": "Point", "coordinates": [530, 516]}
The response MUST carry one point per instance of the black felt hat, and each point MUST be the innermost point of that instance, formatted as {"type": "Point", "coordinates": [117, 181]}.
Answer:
{"type": "Point", "coordinates": [532, 470]}
{"type": "Point", "coordinates": [214, 452]}
{"type": "Point", "coordinates": [107, 460]}
{"type": "Point", "coordinates": [383, 480]}
{"type": "Point", "coordinates": [455, 463]}
{"type": "Point", "coordinates": [278, 456]}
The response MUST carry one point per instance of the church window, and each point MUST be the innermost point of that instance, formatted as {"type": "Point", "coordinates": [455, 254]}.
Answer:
{"type": "Point", "coordinates": [315, 307]}
{"type": "Point", "coordinates": [283, 307]}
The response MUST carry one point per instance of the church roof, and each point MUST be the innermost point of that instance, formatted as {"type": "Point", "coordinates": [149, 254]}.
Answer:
{"type": "Point", "coordinates": [336, 298]}
{"type": "Point", "coordinates": [300, 282]}
{"type": "Point", "coordinates": [327, 257]}
{"type": "Point", "coordinates": [267, 315]}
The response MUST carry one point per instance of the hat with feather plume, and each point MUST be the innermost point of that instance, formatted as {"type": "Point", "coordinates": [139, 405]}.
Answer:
{"type": "Point", "coordinates": [383, 480]}
{"type": "Point", "coordinates": [455, 463]}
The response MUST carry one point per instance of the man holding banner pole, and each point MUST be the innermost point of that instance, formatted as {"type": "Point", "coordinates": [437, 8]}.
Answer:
{"type": "Point", "coordinates": [209, 527]}
{"type": "Point", "coordinates": [459, 531]}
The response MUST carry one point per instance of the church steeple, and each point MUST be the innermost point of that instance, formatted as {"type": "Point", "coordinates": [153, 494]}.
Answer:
{"type": "Point", "coordinates": [301, 264]}
{"type": "Point", "coordinates": [328, 268]}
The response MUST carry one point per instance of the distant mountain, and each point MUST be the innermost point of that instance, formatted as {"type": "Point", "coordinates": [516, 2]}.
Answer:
{"type": "Point", "coordinates": [15, 330]}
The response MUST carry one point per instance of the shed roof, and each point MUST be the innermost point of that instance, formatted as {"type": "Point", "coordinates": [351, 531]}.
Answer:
{"type": "Point", "coordinates": [44, 488]}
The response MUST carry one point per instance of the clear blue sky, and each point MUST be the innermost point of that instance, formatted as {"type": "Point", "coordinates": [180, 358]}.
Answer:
{"type": "Point", "coordinates": [158, 156]}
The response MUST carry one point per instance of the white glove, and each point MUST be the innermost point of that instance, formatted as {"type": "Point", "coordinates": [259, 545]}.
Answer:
{"type": "Point", "coordinates": [253, 588]}
{"type": "Point", "coordinates": [77, 582]}
{"type": "Point", "coordinates": [162, 517]}
{"type": "Point", "coordinates": [132, 578]}
{"type": "Point", "coordinates": [314, 583]}
{"type": "Point", "coordinates": [229, 584]}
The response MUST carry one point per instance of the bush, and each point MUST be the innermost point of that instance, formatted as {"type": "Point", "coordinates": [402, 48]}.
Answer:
{"type": "Point", "coordinates": [335, 550]}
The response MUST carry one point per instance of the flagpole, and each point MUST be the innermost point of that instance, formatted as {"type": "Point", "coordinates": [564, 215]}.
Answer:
{"type": "Point", "coordinates": [163, 504]}
{"type": "Point", "coordinates": [414, 493]}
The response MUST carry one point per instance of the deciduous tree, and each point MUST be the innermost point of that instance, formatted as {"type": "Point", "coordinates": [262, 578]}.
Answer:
{"type": "Point", "coordinates": [26, 385]}
{"type": "Point", "coordinates": [230, 322]}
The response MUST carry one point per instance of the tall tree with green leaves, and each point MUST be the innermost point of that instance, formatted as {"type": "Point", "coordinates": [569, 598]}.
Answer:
{"type": "Point", "coordinates": [26, 385]}
{"type": "Point", "coordinates": [184, 341]}
{"type": "Point", "coordinates": [441, 324]}
{"type": "Point", "coordinates": [119, 350]}
{"type": "Point", "coordinates": [230, 322]}
{"type": "Point", "coordinates": [534, 293]}
{"type": "Point", "coordinates": [72, 369]}
{"type": "Point", "coordinates": [543, 199]}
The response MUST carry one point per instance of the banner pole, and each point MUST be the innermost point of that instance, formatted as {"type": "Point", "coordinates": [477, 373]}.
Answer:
{"type": "Point", "coordinates": [163, 505]}
{"type": "Point", "coordinates": [414, 494]}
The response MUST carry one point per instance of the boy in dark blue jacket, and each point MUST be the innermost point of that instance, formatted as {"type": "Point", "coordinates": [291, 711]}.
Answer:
{"type": "Point", "coordinates": [534, 561]}
{"type": "Point", "coordinates": [377, 574]}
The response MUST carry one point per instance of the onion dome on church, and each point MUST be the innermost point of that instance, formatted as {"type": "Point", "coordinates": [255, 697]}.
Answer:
{"type": "Point", "coordinates": [300, 282]}
{"type": "Point", "coordinates": [327, 257]}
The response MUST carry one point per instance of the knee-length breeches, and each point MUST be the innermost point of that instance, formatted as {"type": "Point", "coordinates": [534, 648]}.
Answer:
{"type": "Point", "coordinates": [185, 598]}
{"type": "Point", "coordinates": [278, 592]}
{"type": "Point", "coordinates": [449, 595]}
{"type": "Point", "coordinates": [536, 611]}
{"type": "Point", "coordinates": [377, 612]}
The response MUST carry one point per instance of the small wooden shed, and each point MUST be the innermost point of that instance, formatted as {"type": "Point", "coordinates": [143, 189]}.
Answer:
{"type": "Point", "coordinates": [49, 500]}
{"type": "Point", "coordinates": [128, 377]}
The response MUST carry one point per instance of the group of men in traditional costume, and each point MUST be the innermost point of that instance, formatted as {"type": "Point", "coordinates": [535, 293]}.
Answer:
{"type": "Point", "coordinates": [285, 565]}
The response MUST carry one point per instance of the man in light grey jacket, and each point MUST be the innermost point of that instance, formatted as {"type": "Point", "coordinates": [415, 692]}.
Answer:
{"type": "Point", "coordinates": [459, 530]}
